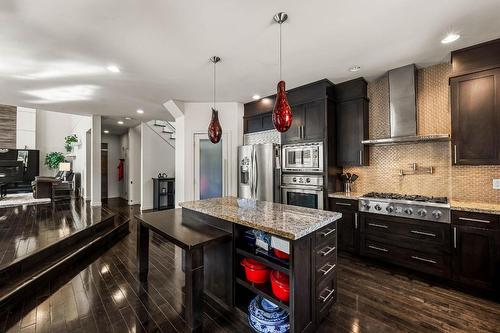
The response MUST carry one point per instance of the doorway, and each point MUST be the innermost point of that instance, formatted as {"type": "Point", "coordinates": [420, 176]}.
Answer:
{"type": "Point", "coordinates": [210, 167]}
{"type": "Point", "coordinates": [104, 170]}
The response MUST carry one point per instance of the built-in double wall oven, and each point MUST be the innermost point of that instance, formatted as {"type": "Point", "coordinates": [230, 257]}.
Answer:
{"type": "Point", "coordinates": [302, 178]}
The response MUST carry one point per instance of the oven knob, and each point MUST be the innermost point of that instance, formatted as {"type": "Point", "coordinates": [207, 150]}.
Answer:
{"type": "Point", "coordinates": [422, 212]}
{"type": "Point", "coordinates": [308, 180]}
{"type": "Point", "coordinates": [365, 205]}
{"type": "Point", "coordinates": [389, 209]}
{"type": "Point", "coordinates": [408, 211]}
{"type": "Point", "coordinates": [377, 207]}
{"type": "Point", "coordinates": [437, 214]}
{"type": "Point", "coordinates": [294, 179]}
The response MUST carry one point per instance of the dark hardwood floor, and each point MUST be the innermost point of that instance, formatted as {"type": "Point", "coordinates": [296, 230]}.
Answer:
{"type": "Point", "coordinates": [103, 294]}
{"type": "Point", "coordinates": [26, 229]}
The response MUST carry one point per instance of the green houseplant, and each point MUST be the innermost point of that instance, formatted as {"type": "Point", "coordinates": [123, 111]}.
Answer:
{"type": "Point", "coordinates": [53, 159]}
{"type": "Point", "coordinates": [69, 141]}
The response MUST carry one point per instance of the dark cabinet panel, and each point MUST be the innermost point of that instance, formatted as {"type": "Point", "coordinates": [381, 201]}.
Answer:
{"type": "Point", "coordinates": [474, 256]}
{"type": "Point", "coordinates": [352, 122]}
{"type": "Point", "coordinates": [348, 231]}
{"type": "Point", "coordinates": [267, 121]}
{"type": "Point", "coordinates": [261, 122]}
{"type": "Point", "coordinates": [475, 105]}
{"type": "Point", "coordinates": [294, 133]}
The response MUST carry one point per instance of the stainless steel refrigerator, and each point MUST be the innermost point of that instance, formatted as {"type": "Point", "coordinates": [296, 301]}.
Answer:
{"type": "Point", "coordinates": [259, 173]}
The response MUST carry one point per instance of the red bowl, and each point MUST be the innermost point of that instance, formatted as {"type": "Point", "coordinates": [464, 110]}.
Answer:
{"type": "Point", "coordinates": [255, 271]}
{"type": "Point", "coordinates": [281, 254]}
{"type": "Point", "coordinates": [280, 285]}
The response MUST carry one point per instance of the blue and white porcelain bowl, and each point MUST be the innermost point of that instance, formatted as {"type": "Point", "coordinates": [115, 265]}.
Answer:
{"type": "Point", "coordinates": [266, 317]}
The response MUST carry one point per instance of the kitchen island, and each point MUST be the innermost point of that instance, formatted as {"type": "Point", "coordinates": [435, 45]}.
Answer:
{"type": "Point", "coordinates": [309, 236]}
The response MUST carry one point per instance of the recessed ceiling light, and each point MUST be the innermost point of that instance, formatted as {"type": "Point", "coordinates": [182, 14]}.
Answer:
{"type": "Point", "coordinates": [120, 122]}
{"type": "Point", "coordinates": [140, 111]}
{"type": "Point", "coordinates": [354, 69]}
{"type": "Point", "coordinates": [113, 69]}
{"type": "Point", "coordinates": [128, 118]}
{"type": "Point", "coordinates": [106, 132]}
{"type": "Point", "coordinates": [450, 38]}
{"type": "Point", "coordinates": [256, 97]}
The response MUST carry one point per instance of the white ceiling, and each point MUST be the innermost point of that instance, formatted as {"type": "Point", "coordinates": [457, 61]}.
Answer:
{"type": "Point", "coordinates": [59, 49]}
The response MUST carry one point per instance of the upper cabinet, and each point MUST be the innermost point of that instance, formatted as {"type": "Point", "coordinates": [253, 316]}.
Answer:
{"type": "Point", "coordinates": [352, 123]}
{"type": "Point", "coordinates": [475, 104]}
{"type": "Point", "coordinates": [308, 123]}
{"type": "Point", "coordinates": [258, 123]}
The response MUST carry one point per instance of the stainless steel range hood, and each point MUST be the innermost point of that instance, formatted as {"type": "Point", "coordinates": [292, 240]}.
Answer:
{"type": "Point", "coordinates": [403, 110]}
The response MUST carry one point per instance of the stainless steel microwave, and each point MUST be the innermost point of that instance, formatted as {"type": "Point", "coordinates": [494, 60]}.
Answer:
{"type": "Point", "coordinates": [304, 157]}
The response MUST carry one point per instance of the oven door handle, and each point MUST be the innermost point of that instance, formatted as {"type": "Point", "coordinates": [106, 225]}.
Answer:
{"type": "Point", "coordinates": [298, 187]}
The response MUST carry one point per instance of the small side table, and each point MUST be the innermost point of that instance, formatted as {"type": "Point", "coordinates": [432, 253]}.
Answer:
{"type": "Point", "coordinates": [3, 190]}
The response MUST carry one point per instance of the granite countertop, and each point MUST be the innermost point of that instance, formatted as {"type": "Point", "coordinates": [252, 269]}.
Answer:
{"type": "Point", "coordinates": [291, 222]}
{"type": "Point", "coordinates": [477, 207]}
{"type": "Point", "coordinates": [343, 195]}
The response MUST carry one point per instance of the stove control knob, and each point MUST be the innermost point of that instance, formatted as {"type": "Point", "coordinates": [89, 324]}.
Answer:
{"type": "Point", "coordinates": [422, 212]}
{"type": "Point", "coordinates": [294, 179]}
{"type": "Point", "coordinates": [437, 214]}
{"type": "Point", "coordinates": [408, 211]}
{"type": "Point", "coordinates": [377, 207]}
{"type": "Point", "coordinates": [389, 209]}
{"type": "Point", "coordinates": [308, 180]}
{"type": "Point", "coordinates": [365, 205]}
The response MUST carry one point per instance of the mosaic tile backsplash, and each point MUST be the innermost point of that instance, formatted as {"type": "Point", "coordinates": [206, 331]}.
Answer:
{"type": "Point", "coordinates": [465, 183]}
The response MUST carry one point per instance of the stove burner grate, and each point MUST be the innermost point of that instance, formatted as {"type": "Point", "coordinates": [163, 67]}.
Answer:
{"type": "Point", "coordinates": [414, 197]}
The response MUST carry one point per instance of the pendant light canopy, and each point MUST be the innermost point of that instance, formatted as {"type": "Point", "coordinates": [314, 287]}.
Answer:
{"type": "Point", "coordinates": [282, 112]}
{"type": "Point", "coordinates": [214, 128]}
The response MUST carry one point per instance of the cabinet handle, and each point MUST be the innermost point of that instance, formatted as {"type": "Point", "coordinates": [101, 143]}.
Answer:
{"type": "Point", "coordinates": [323, 299]}
{"type": "Point", "coordinates": [473, 220]}
{"type": "Point", "coordinates": [383, 226]}
{"type": "Point", "coordinates": [326, 270]}
{"type": "Point", "coordinates": [355, 220]}
{"type": "Point", "coordinates": [327, 250]}
{"type": "Point", "coordinates": [423, 233]}
{"type": "Point", "coordinates": [454, 237]}
{"type": "Point", "coordinates": [455, 153]}
{"type": "Point", "coordinates": [378, 248]}
{"type": "Point", "coordinates": [342, 204]}
{"type": "Point", "coordinates": [423, 259]}
{"type": "Point", "coordinates": [328, 232]}
{"type": "Point", "coordinates": [361, 157]}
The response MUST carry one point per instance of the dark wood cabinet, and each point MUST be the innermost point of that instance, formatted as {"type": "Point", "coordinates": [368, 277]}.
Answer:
{"type": "Point", "coordinates": [163, 193]}
{"type": "Point", "coordinates": [308, 123]}
{"type": "Point", "coordinates": [475, 107]}
{"type": "Point", "coordinates": [352, 123]}
{"type": "Point", "coordinates": [258, 123]}
{"type": "Point", "coordinates": [476, 243]}
{"type": "Point", "coordinates": [348, 231]}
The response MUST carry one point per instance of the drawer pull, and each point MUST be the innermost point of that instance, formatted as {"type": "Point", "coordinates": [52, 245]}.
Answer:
{"type": "Point", "coordinates": [378, 248]}
{"type": "Point", "coordinates": [424, 260]}
{"type": "Point", "coordinates": [327, 268]}
{"type": "Point", "coordinates": [342, 204]}
{"type": "Point", "coordinates": [355, 220]}
{"type": "Point", "coordinates": [324, 299]}
{"type": "Point", "coordinates": [473, 220]}
{"type": "Point", "coordinates": [327, 250]}
{"type": "Point", "coordinates": [328, 232]}
{"type": "Point", "coordinates": [383, 226]}
{"type": "Point", "coordinates": [423, 233]}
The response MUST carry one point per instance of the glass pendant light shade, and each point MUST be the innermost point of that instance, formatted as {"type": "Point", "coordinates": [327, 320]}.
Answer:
{"type": "Point", "coordinates": [282, 113]}
{"type": "Point", "coordinates": [214, 128]}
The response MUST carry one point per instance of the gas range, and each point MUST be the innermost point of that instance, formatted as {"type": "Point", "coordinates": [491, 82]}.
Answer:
{"type": "Point", "coordinates": [409, 206]}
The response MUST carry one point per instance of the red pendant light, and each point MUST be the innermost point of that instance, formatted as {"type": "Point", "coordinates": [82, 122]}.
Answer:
{"type": "Point", "coordinates": [214, 128]}
{"type": "Point", "coordinates": [282, 113]}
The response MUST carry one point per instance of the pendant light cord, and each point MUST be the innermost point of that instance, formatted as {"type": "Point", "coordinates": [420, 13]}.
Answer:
{"type": "Point", "coordinates": [215, 83]}
{"type": "Point", "coordinates": [280, 51]}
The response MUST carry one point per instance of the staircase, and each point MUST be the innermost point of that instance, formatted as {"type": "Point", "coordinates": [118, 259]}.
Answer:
{"type": "Point", "coordinates": [167, 127]}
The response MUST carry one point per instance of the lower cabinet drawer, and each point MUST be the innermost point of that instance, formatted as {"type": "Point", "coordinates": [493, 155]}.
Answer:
{"type": "Point", "coordinates": [327, 270]}
{"type": "Point", "coordinates": [326, 295]}
{"type": "Point", "coordinates": [327, 235]}
{"type": "Point", "coordinates": [326, 253]}
{"type": "Point", "coordinates": [438, 264]}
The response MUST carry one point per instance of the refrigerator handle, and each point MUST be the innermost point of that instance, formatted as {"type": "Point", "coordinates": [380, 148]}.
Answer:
{"type": "Point", "coordinates": [251, 174]}
{"type": "Point", "coordinates": [256, 171]}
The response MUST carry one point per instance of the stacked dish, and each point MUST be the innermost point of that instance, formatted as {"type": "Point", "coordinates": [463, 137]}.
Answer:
{"type": "Point", "coordinates": [266, 317]}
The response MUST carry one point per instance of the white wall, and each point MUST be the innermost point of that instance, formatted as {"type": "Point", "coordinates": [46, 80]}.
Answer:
{"type": "Point", "coordinates": [26, 128]}
{"type": "Point", "coordinates": [134, 163]}
{"type": "Point", "coordinates": [114, 150]}
{"type": "Point", "coordinates": [126, 177]}
{"type": "Point", "coordinates": [158, 156]}
{"type": "Point", "coordinates": [51, 128]}
{"type": "Point", "coordinates": [195, 120]}
{"type": "Point", "coordinates": [95, 165]}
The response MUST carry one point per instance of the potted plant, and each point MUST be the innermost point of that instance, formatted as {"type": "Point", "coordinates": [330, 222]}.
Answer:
{"type": "Point", "coordinates": [53, 159]}
{"type": "Point", "coordinates": [69, 141]}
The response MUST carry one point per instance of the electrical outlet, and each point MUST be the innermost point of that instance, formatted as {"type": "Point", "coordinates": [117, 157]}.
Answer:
{"type": "Point", "coordinates": [496, 184]}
